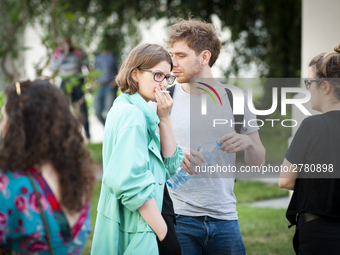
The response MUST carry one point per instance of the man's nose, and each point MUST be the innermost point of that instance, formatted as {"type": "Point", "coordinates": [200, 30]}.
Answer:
{"type": "Point", "coordinates": [174, 62]}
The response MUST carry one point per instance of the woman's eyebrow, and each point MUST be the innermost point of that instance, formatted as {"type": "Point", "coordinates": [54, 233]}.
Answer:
{"type": "Point", "coordinates": [160, 71]}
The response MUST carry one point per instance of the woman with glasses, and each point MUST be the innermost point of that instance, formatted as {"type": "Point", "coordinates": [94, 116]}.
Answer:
{"type": "Point", "coordinates": [314, 163]}
{"type": "Point", "coordinates": [137, 162]}
{"type": "Point", "coordinates": [46, 175]}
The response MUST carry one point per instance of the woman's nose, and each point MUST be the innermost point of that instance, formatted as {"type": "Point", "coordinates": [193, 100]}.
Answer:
{"type": "Point", "coordinates": [164, 84]}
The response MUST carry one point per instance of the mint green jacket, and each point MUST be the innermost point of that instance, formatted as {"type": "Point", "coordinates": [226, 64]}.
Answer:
{"type": "Point", "coordinates": [133, 172]}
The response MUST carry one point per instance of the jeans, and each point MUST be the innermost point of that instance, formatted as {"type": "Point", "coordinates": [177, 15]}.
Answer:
{"type": "Point", "coordinates": [209, 236]}
{"type": "Point", "coordinates": [103, 101]}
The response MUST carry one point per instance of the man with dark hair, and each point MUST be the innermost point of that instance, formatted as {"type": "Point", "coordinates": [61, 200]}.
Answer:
{"type": "Point", "coordinates": [205, 207]}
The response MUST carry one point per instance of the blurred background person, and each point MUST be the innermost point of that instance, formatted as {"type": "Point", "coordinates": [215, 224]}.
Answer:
{"type": "Point", "coordinates": [315, 204]}
{"type": "Point", "coordinates": [71, 63]}
{"type": "Point", "coordinates": [107, 92]}
{"type": "Point", "coordinates": [46, 175]}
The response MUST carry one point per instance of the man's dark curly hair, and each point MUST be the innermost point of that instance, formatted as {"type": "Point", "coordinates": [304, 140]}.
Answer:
{"type": "Point", "coordinates": [41, 129]}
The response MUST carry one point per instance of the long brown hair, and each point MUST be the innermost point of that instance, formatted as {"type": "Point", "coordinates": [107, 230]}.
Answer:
{"type": "Point", "coordinates": [41, 128]}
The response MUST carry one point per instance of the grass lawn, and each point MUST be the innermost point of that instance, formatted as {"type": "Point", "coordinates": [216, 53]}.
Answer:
{"type": "Point", "coordinates": [264, 230]}
{"type": "Point", "coordinates": [250, 191]}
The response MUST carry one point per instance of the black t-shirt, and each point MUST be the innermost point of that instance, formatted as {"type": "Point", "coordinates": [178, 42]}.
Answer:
{"type": "Point", "coordinates": [168, 207]}
{"type": "Point", "coordinates": [316, 144]}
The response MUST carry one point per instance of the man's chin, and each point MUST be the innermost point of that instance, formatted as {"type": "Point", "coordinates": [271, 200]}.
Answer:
{"type": "Point", "coordinates": [183, 80]}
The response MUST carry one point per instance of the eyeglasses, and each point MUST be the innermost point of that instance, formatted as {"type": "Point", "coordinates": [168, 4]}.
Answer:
{"type": "Point", "coordinates": [159, 76]}
{"type": "Point", "coordinates": [308, 82]}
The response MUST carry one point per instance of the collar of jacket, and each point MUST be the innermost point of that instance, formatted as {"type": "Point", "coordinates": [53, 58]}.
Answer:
{"type": "Point", "coordinates": [150, 115]}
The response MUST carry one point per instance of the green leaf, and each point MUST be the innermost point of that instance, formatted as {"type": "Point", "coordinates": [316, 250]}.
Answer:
{"type": "Point", "coordinates": [70, 16]}
{"type": "Point", "coordinates": [15, 13]}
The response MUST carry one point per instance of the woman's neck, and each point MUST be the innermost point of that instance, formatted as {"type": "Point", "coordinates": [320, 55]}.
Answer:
{"type": "Point", "coordinates": [331, 107]}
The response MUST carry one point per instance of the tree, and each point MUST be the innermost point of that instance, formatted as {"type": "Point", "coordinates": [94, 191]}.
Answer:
{"type": "Point", "coordinates": [264, 32]}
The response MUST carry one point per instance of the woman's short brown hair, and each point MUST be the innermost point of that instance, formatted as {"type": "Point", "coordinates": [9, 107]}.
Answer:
{"type": "Point", "coordinates": [199, 36]}
{"type": "Point", "coordinates": [144, 56]}
{"type": "Point", "coordinates": [327, 66]}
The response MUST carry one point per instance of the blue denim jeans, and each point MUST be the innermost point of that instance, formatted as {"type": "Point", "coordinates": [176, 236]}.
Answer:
{"type": "Point", "coordinates": [103, 101]}
{"type": "Point", "coordinates": [209, 236]}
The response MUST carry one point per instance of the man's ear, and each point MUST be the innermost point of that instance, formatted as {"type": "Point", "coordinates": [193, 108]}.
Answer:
{"type": "Point", "coordinates": [205, 56]}
{"type": "Point", "coordinates": [134, 75]}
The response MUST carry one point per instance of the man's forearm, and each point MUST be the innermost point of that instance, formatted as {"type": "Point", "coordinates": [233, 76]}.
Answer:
{"type": "Point", "coordinates": [254, 155]}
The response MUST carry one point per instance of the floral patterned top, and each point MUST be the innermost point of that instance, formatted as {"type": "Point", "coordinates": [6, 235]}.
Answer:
{"type": "Point", "coordinates": [21, 226]}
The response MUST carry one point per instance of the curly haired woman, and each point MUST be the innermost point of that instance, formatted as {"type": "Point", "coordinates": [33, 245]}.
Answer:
{"type": "Point", "coordinates": [46, 174]}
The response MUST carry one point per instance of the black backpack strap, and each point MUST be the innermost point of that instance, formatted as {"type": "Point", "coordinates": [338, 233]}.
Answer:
{"type": "Point", "coordinates": [171, 90]}
{"type": "Point", "coordinates": [237, 117]}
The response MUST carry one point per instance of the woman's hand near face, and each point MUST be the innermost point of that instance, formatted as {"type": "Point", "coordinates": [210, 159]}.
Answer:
{"type": "Point", "coordinates": [167, 137]}
{"type": "Point", "coordinates": [164, 102]}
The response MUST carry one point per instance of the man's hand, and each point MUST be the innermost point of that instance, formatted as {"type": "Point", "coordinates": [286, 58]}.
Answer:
{"type": "Point", "coordinates": [234, 142]}
{"type": "Point", "coordinates": [254, 152]}
{"type": "Point", "coordinates": [191, 155]}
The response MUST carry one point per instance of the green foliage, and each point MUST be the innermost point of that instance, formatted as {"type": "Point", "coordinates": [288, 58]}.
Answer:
{"type": "Point", "coordinates": [2, 99]}
{"type": "Point", "coordinates": [96, 151]}
{"type": "Point", "coordinates": [264, 32]}
{"type": "Point", "coordinates": [74, 80]}
{"type": "Point", "coordinates": [2, 102]}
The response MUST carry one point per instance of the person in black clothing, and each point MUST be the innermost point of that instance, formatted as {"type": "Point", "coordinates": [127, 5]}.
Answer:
{"type": "Point", "coordinates": [314, 156]}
